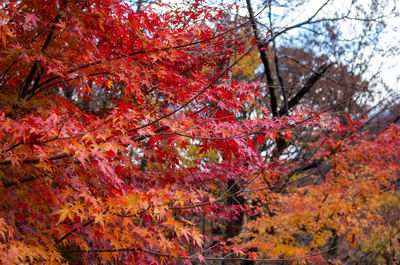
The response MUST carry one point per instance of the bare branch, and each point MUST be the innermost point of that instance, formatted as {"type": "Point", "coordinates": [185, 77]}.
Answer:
{"type": "Point", "coordinates": [307, 86]}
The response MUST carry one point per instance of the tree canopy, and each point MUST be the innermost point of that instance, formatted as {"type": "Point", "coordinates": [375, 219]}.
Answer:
{"type": "Point", "coordinates": [129, 137]}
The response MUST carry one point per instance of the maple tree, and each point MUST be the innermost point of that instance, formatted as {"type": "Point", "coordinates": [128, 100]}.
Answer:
{"type": "Point", "coordinates": [127, 181]}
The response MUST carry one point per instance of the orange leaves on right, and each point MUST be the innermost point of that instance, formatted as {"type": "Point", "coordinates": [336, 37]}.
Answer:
{"type": "Point", "coordinates": [338, 201]}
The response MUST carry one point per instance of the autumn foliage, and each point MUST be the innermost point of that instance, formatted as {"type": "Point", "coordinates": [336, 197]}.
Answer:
{"type": "Point", "coordinates": [141, 178]}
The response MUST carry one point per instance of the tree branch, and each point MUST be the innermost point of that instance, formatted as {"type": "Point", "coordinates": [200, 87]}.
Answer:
{"type": "Point", "coordinates": [307, 86]}
{"type": "Point", "coordinates": [264, 59]}
{"type": "Point", "coordinates": [36, 160]}
{"type": "Point", "coordinates": [15, 183]}
{"type": "Point", "coordinates": [25, 88]}
{"type": "Point", "coordinates": [308, 21]}
{"type": "Point", "coordinates": [195, 257]}
{"type": "Point", "coordinates": [285, 101]}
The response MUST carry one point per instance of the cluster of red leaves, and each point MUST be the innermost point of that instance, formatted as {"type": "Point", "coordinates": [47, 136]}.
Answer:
{"type": "Point", "coordinates": [75, 182]}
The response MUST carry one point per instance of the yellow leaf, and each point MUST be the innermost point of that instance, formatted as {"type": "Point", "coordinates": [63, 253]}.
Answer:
{"type": "Point", "coordinates": [64, 213]}
{"type": "Point", "coordinates": [110, 84]}
{"type": "Point", "coordinates": [99, 219]}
